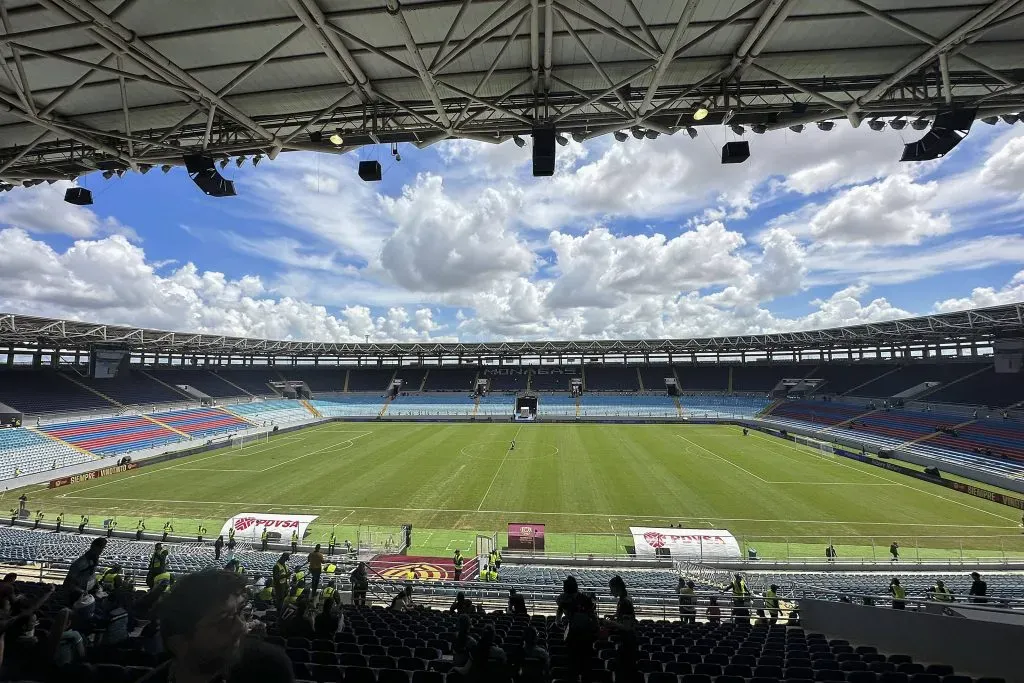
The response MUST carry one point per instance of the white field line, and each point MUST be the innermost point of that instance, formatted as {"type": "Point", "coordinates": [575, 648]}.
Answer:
{"type": "Point", "coordinates": [495, 477]}
{"type": "Point", "coordinates": [726, 461]}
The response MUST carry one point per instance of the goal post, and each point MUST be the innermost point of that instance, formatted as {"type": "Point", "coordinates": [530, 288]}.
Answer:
{"type": "Point", "coordinates": [245, 440]}
{"type": "Point", "coordinates": [824, 447]}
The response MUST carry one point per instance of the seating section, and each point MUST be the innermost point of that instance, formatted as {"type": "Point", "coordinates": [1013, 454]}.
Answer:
{"type": "Point", "coordinates": [505, 381]}
{"type": "Point", "coordinates": [654, 376]}
{"type": "Point", "coordinates": [987, 388]}
{"type": "Point", "coordinates": [42, 392]}
{"type": "Point", "coordinates": [909, 376]}
{"type": "Point", "coordinates": [269, 413]}
{"type": "Point", "coordinates": [712, 406]}
{"type": "Point", "coordinates": [412, 377]}
{"type": "Point", "coordinates": [252, 379]}
{"type": "Point", "coordinates": [426, 404]}
{"type": "Point", "coordinates": [28, 452]}
{"type": "Point", "coordinates": [370, 379]}
{"type": "Point", "coordinates": [702, 377]}
{"type": "Point", "coordinates": [349, 405]}
{"type": "Point", "coordinates": [114, 435]}
{"type": "Point", "coordinates": [451, 379]}
{"type": "Point", "coordinates": [843, 377]}
{"type": "Point", "coordinates": [610, 378]}
{"type": "Point", "coordinates": [1000, 584]}
{"type": "Point", "coordinates": [132, 388]}
{"type": "Point", "coordinates": [553, 378]}
{"type": "Point", "coordinates": [496, 404]}
{"type": "Point", "coordinates": [206, 381]}
{"type": "Point", "coordinates": [635, 405]}
{"type": "Point", "coordinates": [556, 404]}
{"type": "Point", "coordinates": [317, 378]}
{"type": "Point", "coordinates": [763, 378]}
{"type": "Point", "coordinates": [203, 422]}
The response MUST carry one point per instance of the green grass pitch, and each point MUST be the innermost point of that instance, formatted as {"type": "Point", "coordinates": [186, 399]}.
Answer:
{"type": "Point", "coordinates": [587, 482]}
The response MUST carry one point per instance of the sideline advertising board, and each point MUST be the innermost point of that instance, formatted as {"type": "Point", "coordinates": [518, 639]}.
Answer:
{"type": "Point", "coordinates": [526, 537]}
{"type": "Point", "coordinates": [250, 525]}
{"type": "Point", "coordinates": [92, 474]}
{"type": "Point", "coordinates": [685, 544]}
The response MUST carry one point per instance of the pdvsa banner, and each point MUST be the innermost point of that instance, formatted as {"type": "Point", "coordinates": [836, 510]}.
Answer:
{"type": "Point", "coordinates": [250, 525]}
{"type": "Point", "coordinates": [686, 544]}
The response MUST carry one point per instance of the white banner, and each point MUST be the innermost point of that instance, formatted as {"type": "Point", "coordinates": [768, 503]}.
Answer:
{"type": "Point", "coordinates": [686, 544]}
{"type": "Point", "coordinates": [250, 525]}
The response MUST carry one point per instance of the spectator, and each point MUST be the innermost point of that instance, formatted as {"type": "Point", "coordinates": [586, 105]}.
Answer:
{"type": "Point", "coordinates": [261, 662]}
{"type": "Point", "coordinates": [687, 602]}
{"type": "Point", "coordinates": [898, 593]}
{"type": "Point", "coordinates": [463, 642]}
{"type": "Point", "coordinates": [623, 622]}
{"type": "Point", "coordinates": [360, 584]}
{"type": "Point", "coordinates": [402, 602]}
{"type": "Point", "coordinates": [461, 604]}
{"type": "Point", "coordinates": [328, 621]}
{"type": "Point", "coordinates": [202, 624]}
{"type": "Point", "coordinates": [978, 588]}
{"type": "Point", "coordinates": [315, 560]}
{"type": "Point", "coordinates": [115, 623]}
{"type": "Point", "coordinates": [531, 650]}
{"type": "Point", "coordinates": [298, 619]}
{"type": "Point", "coordinates": [581, 633]}
{"type": "Point", "coordinates": [487, 662]}
{"type": "Point", "coordinates": [81, 574]}
{"type": "Point", "coordinates": [714, 611]}
{"type": "Point", "coordinates": [70, 645]}
{"type": "Point", "coordinates": [568, 600]}
{"type": "Point", "coordinates": [516, 604]}
{"type": "Point", "coordinates": [7, 587]}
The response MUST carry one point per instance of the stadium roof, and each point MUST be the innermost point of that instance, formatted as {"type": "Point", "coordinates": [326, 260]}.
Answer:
{"type": "Point", "coordinates": [981, 325]}
{"type": "Point", "coordinates": [131, 84]}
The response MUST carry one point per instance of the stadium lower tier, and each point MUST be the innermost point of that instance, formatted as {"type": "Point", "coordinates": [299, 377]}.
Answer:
{"type": "Point", "coordinates": [25, 451]}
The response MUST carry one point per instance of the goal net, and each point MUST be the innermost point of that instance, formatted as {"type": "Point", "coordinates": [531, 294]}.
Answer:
{"type": "Point", "coordinates": [824, 447]}
{"type": "Point", "coordinates": [244, 440]}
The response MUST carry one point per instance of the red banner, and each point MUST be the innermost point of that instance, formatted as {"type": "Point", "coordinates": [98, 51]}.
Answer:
{"type": "Point", "coordinates": [93, 474]}
{"type": "Point", "coordinates": [527, 537]}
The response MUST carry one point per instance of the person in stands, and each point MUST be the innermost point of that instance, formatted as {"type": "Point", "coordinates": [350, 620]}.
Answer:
{"type": "Point", "coordinates": [81, 574]}
{"type": "Point", "coordinates": [714, 611]}
{"type": "Point", "coordinates": [487, 661]}
{"type": "Point", "coordinates": [581, 632]}
{"type": "Point", "coordinates": [894, 550]}
{"type": "Point", "coordinates": [281, 576]}
{"type": "Point", "coordinates": [898, 593]}
{"type": "Point", "coordinates": [533, 651]}
{"type": "Point", "coordinates": [218, 545]}
{"type": "Point", "coordinates": [461, 605]}
{"type": "Point", "coordinates": [202, 624]}
{"type": "Point", "coordinates": [360, 584]}
{"type": "Point", "coordinates": [157, 564]}
{"type": "Point", "coordinates": [517, 604]}
{"type": "Point", "coordinates": [978, 588]}
{"type": "Point", "coordinates": [402, 602]}
{"type": "Point", "coordinates": [567, 600]}
{"type": "Point", "coordinates": [939, 592]}
{"type": "Point", "coordinates": [687, 602]}
{"type": "Point", "coordinates": [315, 560]}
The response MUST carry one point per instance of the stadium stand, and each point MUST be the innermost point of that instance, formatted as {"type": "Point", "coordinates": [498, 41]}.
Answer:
{"type": "Point", "coordinates": [349, 405]}
{"type": "Point", "coordinates": [555, 404]}
{"type": "Point", "coordinates": [718, 405]}
{"type": "Point", "coordinates": [203, 422]}
{"type": "Point", "coordinates": [317, 378]}
{"type": "Point", "coordinates": [1001, 584]}
{"type": "Point", "coordinates": [505, 382]}
{"type": "Point", "coordinates": [653, 376]}
{"type": "Point", "coordinates": [412, 377]}
{"type": "Point", "coordinates": [627, 404]}
{"type": "Point", "coordinates": [763, 378]}
{"type": "Point", "coordinates": [131, 387]}
{"type": "Point", "coordinates": [26, 451]}
{"type": "Point", "coordinates": [423, 404]}
{"type": "Point", "coordinates": [842, 377]}
{"type": "Point", "coordinates": [496, 404]}
{"type": "Point", "coordinates": [113, 435]}
{"type": "Point", "coordinates": [610, 378]}
{"type": "Point", "coordinates": [908, 376]}
{"type": "Point", "coordinates": [702, 377]}
{"type": "Point", "coordinates": [44, 392]}
{"type": "Point", "coordinates": [543, 379]}
{"type": "Point", "coordinates": [206, 381]}
{"type": "Point", "coordinates": [450, 379]}
{"type": "Point", "coordinates": [279, 412]}
{"type": "Point", "coordinates": [986, 388]}
{"type": "Point", "coordinates": [370, 379]}
{"type": "Point", "coordinates": [252, 380]}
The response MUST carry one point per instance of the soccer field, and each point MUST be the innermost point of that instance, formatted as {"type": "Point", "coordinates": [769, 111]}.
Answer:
{"type": "Point", "coordinates": [587, 482]}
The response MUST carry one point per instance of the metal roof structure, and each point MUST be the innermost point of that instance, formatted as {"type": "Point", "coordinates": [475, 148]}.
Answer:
{"type": "Point", "coordinates": [114, 85]}
{"type": "Point", "coordinates": [982, 325]}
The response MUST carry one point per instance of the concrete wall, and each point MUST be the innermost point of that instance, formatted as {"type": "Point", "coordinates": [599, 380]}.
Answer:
{"type": "Point", "coordinates": [969, 640]}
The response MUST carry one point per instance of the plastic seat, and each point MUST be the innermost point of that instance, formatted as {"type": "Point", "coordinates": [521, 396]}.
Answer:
{"type": "Point", "coordinates": [358, 674]}
{"type": "Point", "coordinates": [861, 677]}
{"type": "Point", "coordinates": [392, 676]}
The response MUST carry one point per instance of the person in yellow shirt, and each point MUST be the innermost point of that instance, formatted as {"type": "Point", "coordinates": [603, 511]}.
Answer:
{"type": "Point", "coordinates": [315, 561]}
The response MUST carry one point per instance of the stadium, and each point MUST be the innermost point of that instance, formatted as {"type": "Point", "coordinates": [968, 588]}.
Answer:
{"type": "Point", "coordinates": [819, 504]}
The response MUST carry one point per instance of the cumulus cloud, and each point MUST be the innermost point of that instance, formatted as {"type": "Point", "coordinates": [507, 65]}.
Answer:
{"type": "Point", "coordinates": [42, 209]}
{"type": "Point", "coordinates": [1011, 292]}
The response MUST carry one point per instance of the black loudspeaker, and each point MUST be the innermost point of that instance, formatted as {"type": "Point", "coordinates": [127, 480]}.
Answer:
{"type": "Point", "coordinates": [948, 130]}
{"type": "Point", "coordinates": [79, 196]}
{"type": "Point", "coordinates": [369, 171]}
{"type": "Point", "coordinates": [735, 152]}
{"type": "Point", "coordinates": [204, 174]}
{"type": "Point", "coordinates": [543, 151]}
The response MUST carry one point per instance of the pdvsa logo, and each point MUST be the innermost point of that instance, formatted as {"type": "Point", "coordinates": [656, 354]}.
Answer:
{"type": "Point", "coordinates": [421, 571]}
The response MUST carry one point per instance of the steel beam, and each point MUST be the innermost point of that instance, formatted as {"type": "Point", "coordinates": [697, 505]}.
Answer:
{"type": "Point", "coordinates": [626, 38]}
{"type": "Point", "coordinates": [668, 55]}
{"type": "Point", "coordinates": [549, 27]}
{"type": "Point", "coordinates": [493, 66]}
{"type": "Point", "coordinates": [593, 61]}
{"type": "Point", "coordinates": [395, 10]}
{"type": "Point", "coordinates": [457, 21]}
{"type": "Point", "coordinates": [483, 32]}
{"type": "Point", "coordinates": [25, 87]}
{"type": "Point", "coordinates": [534, 45]}
{"type": "Point", "coordinates": [796, 86]}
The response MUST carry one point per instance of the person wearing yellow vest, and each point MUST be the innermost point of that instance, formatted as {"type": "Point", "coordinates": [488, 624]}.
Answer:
{"type": "Point", "coordinates": [60, 520]}
{"type": "Point", "coordinates": [297, 590]}
{"type": "Point", "coordinates": [295, 541]}
{"type": "Point", "coordinates": [492, 558]}
{"type": "Point", "coordinates": [168, 529]}
{"type": "Point", "coordinates": [157, 564]}
{"type": "Point", "coordinates": [488, 574]}
{"type": "Point", "coordinates": [163, 577]}
{"type": "Point", "coordinates": [39, 518]}
{"type": "Point", "coordinates": [281, 574]}
{"type": "Point", "coordinates": [940, 593]}
{"type": "Point", "coordinates": [333, 542]}
{"type": "Point", "coordinates": [139, 528]}
{"type": "Point", "coordinates": [330, 593]}
{"type": "Point", "coordinates": [263, 539]}
{"type": "Point", "coordinates": [231, 534]}
{"type": "Point", "coordinates": [235, 567]}
{"type": "Point", "coordinates": [740, 612]}
{"type": "Point", "coordinates": [771, 604]}
{"type": "Point", "coordinates": [458, 561]}
{"type": "Point", "coordinates": [111, 578]}
{"type": "Point", "coordinates": [111, 525]}
{"type": "Point", "coordinates": [898, 593]}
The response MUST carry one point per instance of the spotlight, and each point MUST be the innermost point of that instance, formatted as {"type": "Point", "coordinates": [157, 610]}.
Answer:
{"type": "Point", "coordinates": [336, 139]}
{"type": "Point", "coordinates": [223, 162]}
{"type": "Point", "coordinates": [651, 134]}
{"type": "Point", "coordinates": [620, 136]}
{"type": "Point", "coordinates": [876, 124]}
{"type": "Point", "coordinates": [316, 137]}
{"type": "Point", "coordinates": [562, 140]}
{"type": "Point", "coordinates": [107, 175]}
{"type": "Point", "coordinates": [701, 112]}
{"type": "Point", "coordinates": [991, 120]}
{"type": "Point", "coordinates": [579, 137]}
{"type": "Point", "coordinates": [759, 128]}
{"type": "Point", "coordinates": [239, 161]}
{"type": "Point", "coordinates": [691, 131]}
{"type": "Point", "coordinates": [637, 132]}
{"type": "Point", "coordinates": [898, 124]}
{"type": "Point", "coordinates": [256, 159]}
{"type": "Point", "coordinates": [144, 168]}
{"type": "Point", "coordinates": [79, 196]}
{"type": "Point", "coordinates": [398, 157]}
{"type": "Point", "coordinates": [204, 174]}
{"type": "Point", "coordinates": [6, 187]}
{"type": "Point", "coordinates": [919, 124]}
{"type": "Point", "coordinates": [520, 142]}
{"type": "Point", "coordinates": [51, 181]}
{"type": "Point", "coordinates": [738, 129]}
{"type": "Point", "coordinates": [166, 167]}
{"type": "Point", "coordinates": [826, 125]}
{"type": "Point", "coordinates": [1009, 118]}
{"type": "Point", "coordinates": [798, 128]}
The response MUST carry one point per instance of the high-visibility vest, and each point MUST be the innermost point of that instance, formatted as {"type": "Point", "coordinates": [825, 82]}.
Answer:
{"type": "Point", "coordinates": [492, 557]}
{"type": "Point", "coordinates": [942, 593]}
{"type": "Point", "coordinates": [158, 561]}
{"type": "Point", "coordinates": [140, 526]}
{"type": "Point", "coordinates": [108, 578]}
{"type": "Point", "coordinates": [280, 574]}
{"type": "Point", "coordinates": [328, 593]}
{"type": "Point", "coordinates": [239, 569]}
{"type": "Point", "coordinates": [334, 540]}
{"type": "Point", "coordinates": [266, 593]}
{"type": "Point", "coordinates": [458, 561]}
{"type": "Point", "coordinates": [330, 569]}
{"type": "Point", "coordinates": [771, 601]}
{"type": "Point", "coordinates": [299, 576]}
{"type": "Point", "coordinates": [739, 588]}
{"type": "Point", "coordinates": [263, 536]}
{"type": "Point", "coordinates": [161, 577]}
{"type": "Point", "coordinates": [231, 534]}
{"type": "Point", "coordinates": [295, 537]}
{"type": "Point", "coordinates": [898, 592]}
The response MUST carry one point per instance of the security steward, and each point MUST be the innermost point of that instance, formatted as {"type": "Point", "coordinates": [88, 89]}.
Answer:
{"type": "Point", "coordinates": [330, 593]}
{"type": "Point", "coordinates": [231, 536]}
{"type": "Point", "coordinates": [200, 533]}
{"type": "Point", "coordinates": [82, 523]}
{"type": "Point", "coordinates": [898, 593]}
{"type": "Point", "coordinates": [168, 529]}
{"type": "Point", "coordinates": [263, 539]}
{"type": "Point", "coordinates": [139, 529]}
{"type": "Point", "coordinates": [333, 542]}
{"type": "Point", "coordinates": [157, 564]}
{"type": "Point", "coordinates": [235, 567]}
{"type": "Point", "coordinates": [740, 612]}
{"type": "Point", "coordinates": [39, 518]}
{"type": "Point", "coordinates": [111, 578]}
{"type": "Point", "coordinates": [940, 593]}
{"type": "Point", "coordinates": [771, 604]}
{"type": "Point", "coordinates": [459, 562]}
{"type": "Point", "coordinates": [295, 541]}
{"type": "Point", "coordinates": [111, 525]}
{"type": "Point", "coordinates": [60, 520]}
{"type": "Point", "coordinates": [281, 575]}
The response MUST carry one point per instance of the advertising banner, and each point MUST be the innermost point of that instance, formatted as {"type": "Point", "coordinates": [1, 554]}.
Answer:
{"type": "Point", "coordinates": [686, 544]}
{"type": "Point", "coordinates": [404, 567]}
{"type": "Point", "coordinates": [93, 474]}
{"type": "Point", "coordinates": [250, 525]}
{"type": "Point", "coordinates": [528, 537]}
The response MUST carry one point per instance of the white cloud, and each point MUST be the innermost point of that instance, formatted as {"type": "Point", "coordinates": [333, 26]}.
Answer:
{"type": "Point", "coordinates": [1004, 170]}
{"type": "Point", "coordinates": [1011, 292]}
{"type": "Point", "coordinates": [42, 209]}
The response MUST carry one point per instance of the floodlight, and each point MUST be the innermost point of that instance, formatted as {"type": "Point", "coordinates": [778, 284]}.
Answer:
{"type": "Point", "coordinates": [620, 136]}
{"type": "Point", "coordinates": [562, 140]}
{"type": "Point", "coordinates": [166, 167]}
{"type": "Point", "coordinates": [876, 124]}
{"type": "Point", "coordinates": [144, 168]}
{"type": "Point", "coordinates": [759, 128]}
{"type": "Point", "coordinates": [738, 129]}
{"type": "Point", "coordinates": [798, 128]}
{"type": "Point", "coordinates": [316, 137]}
{"type": "Point", "coordinates": [520, 142]}
{"type": "Point", "coordinates": [826, 125]}
{"type": "Point", "coordinates": [223, 162]}
{"type": "Point", "coordinates": [107, 175]}
{"type": "Point", "coordinates": [1009, 118]}
{"type": "Point", "coordinates": [691, 131]}
{"type": "Point", "coordinates": [336, 139]}
{"type": "Point", "coordinates": [898, 124]}
{"type": "Point", "coordinates": [256, 159]}
{"type": "Point", "coordinates": [579, 137]}
{"type": "Point", "coordinates": [919, 124]}
{"type": "Point", "coordinates": [701, 113]}
{"type": "Point", "coordinates": [651, 134]}
{"type": "Point", "coordinates": [637, 132]}
{"type": "Point", "coordinates": [239, 161]}
{"type": "Point", "coordinates": [991, 120]}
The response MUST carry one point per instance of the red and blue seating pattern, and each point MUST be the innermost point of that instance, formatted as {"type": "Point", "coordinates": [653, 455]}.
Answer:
{"type": "Point", "coordinates": [202, 422]}
{"type": "Point", "coordinates": [113, 435]}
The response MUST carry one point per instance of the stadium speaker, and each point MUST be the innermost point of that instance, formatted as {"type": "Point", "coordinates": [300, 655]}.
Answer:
{"type": "Point", "coordinates": [79, 196]}
{"type": "Point", "coordinates": [735, 152]}
{"type": "Point", "coordinates": [204, 174]}
{"type": "Point", "coordinates": [369, 171]}
{"type": "Point", "coordinates": [543, 151]}
{"type": "Point", "coordinates": [948, 130]}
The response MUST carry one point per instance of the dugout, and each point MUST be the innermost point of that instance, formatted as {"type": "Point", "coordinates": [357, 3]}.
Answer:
{"type": "Point", "coordinates": [528, 403]}
{"type": "Point", "coordinates": [9, 417]}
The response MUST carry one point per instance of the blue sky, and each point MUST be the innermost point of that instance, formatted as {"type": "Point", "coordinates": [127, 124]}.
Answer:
{"type": "Point", "coordinates": [646, 238]}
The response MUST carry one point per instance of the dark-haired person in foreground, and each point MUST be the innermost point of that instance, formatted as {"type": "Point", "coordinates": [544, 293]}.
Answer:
{"type": "Point", "coordinates": [202, 624]}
